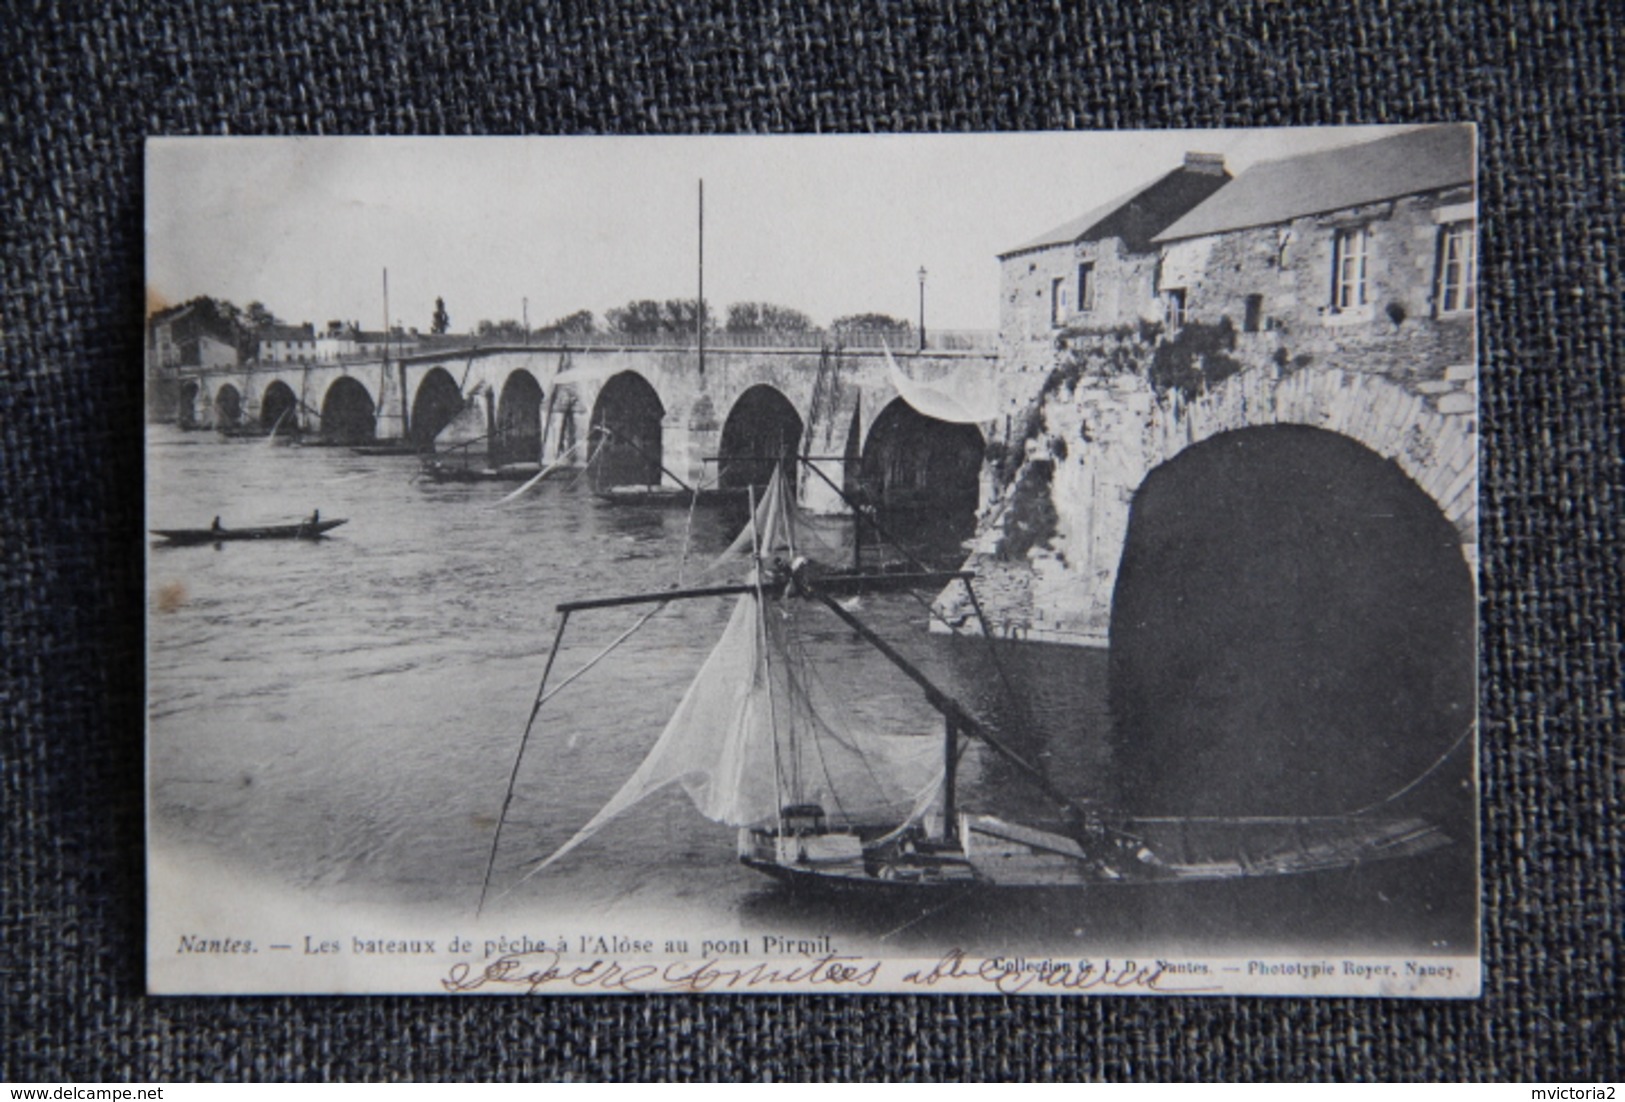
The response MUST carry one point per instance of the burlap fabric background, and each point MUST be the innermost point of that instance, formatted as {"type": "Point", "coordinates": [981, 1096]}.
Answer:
{"type": "Point", "coordinates": [85, 83]}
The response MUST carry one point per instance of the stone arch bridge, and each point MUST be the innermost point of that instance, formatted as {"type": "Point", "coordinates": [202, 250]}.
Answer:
{"type": "Point", "coordinates": [667, 417]}
{"type": "Point", "coordinates": [1102, 440]}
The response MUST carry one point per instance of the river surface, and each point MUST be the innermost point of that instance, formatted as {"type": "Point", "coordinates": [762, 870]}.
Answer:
{"type": "Point", "coordinates": [336, 721]}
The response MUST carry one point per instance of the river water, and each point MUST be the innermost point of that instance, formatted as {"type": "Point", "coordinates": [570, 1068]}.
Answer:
{"type": "Point", "coordinates": [336, 721]}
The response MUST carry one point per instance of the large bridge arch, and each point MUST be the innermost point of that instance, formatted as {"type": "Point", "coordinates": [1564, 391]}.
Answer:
{"type": "Point", "coordinates": [762, 430]}
{"type": "Point", "coordinates": [279, 406]}
{"type": "Point", "coordinates": [437, 401]}
{"type": "Point", "coordinates": [912, 462]}
{"type": "Point", "coordinates": [626, 433]}
{"type": "Point", "coordinates": [519, 420]}
{"type": "Point", "coordinates": [228, 407]}
{"type": "Point", "coordinates": [349, 415]}
{"type": "Point", "coordinates": [1293, 613]}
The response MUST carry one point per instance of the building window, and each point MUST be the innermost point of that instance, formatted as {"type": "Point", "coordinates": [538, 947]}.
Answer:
{"type": "Point", "coordinates": [1057, 301]}
{"type": "Point", "coordinates": [1173, 307]}
{"type": "Point", "coordinates": [1253, 320]}
{"type": "Point", "coordinates": [1086, 286]}
{"type": "Point", "coordinates": [1458, 268]}
{"type": "Point", "coordinates": [1349, 253]}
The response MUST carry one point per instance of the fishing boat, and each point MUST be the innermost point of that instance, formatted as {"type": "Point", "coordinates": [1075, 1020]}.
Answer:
{"type": "Point", "coordinates": [388, 448]}
{"type": "Point", "coordinates": [821, 799]}
{"type": "Point", "coordinates": [676, 497]}
{"type": "Point", "coordinates": [437, 471]}
{"type": "Point", "coordinates": [304, 530]}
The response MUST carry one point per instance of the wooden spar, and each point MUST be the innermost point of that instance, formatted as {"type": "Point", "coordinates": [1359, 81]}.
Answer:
{"type": "Point", "coordinates": [774, 458]}
{"type": "Point", "coordinates": [942, 577]}
{"type": "Point", "coordinates": [519, 756]}
{"type": "Point", "coordinates": [947, 705]}
{"type": "Point", "coordinates": [648, 598]}
{"type": "Point", "coordinates": [950, 770]}
{"type": "Point", "coordinates": [607, 432]}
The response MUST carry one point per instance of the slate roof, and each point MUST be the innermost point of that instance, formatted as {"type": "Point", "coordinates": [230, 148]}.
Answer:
{"type": "Point", "coordinates": [1426, 159]}
{"type": "Point", "coordinates": [1138, 214]}
{"type": "Point", "coordinates": [287, 333]}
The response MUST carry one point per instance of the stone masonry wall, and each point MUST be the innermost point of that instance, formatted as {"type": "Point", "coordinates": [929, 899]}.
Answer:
{"type": "Point", "coordinates": [1124, 291]}
{"type": "Point", "coordinates": [1063, 471]}
{"type": "Point", "coordinates": [1399, 332]}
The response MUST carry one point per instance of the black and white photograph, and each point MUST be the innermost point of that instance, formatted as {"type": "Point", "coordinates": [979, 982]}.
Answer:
{"type": "Point", "coordinates": [1028, 563]}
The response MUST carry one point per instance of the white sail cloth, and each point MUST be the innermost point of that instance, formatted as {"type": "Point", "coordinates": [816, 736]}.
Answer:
{"type": "Point", "coordinates": [707, 745]}
{"type": "Point", "coordinates": [966, 397]}
{"type": "Point", "coordinates": [750, 735]}
{"type": "Point", "coordinates": [784, 529]}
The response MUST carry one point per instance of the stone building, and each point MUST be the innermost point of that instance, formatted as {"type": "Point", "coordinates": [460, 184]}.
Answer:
{"type": "Point", "coordinates": [1099, 269]}
{"type": "Point", "coordinates": [190, 336]}
{"type": "Point", "coordinates": [1361, 253]}
{"type": "Point", "coordinates": [1332, 291]}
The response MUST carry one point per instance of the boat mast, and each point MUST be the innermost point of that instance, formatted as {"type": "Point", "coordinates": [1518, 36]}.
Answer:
{"type": "Point", "coordinates": [699, 306]}
{"type": "Point", "coordinates": [767, 663]}
{"type": "Point", "coordinates": [383, 371]}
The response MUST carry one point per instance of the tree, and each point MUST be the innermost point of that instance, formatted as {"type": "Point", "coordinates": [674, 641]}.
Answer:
{"type": "Point", "coordinates": [508, 329]}
{"type": "Point", "coordinates": [640, 316]}
{"type": "Point", "coordinates": [442, 320]}
{"type": "Point", "coordinates": [258, 316]}
{"type": "Point", "coordinates": [871, 323]}
{"type": "Point", "coordinates": [576, 324]}
{"type": "Point", "coordinates": [646, 316]}
{"type": "Point", "coordinates": [766, 317]}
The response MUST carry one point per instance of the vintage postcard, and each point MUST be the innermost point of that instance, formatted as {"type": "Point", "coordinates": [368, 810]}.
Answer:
{"type": "Point", "coordinates": [1025, 563]}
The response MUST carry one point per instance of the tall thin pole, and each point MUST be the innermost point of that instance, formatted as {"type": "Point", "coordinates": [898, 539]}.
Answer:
{"type": "Point", "coordinates": [699, 312]}
{"type": "Point", "coordinates": [922, 307]}
{"type": "Point", "coordinates": [383, 386]}
{"type": "Point", "coordinates": [524, 312]}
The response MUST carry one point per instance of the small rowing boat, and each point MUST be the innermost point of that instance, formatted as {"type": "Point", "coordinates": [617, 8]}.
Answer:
{"type": "Point", "coordinates": [304, 530]}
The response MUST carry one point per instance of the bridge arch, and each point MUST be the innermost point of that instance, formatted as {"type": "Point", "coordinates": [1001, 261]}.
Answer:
{"type": "Point", "coordinates": [348, 413]}
{"type": "Point", "coordinates": [1293, 614]}
{"type": "Point", "coordinates": [918, 464]}
{"type": "Point", "coordinates": [228, 407]}
{"type": "Point", "coordinates": [762, 430]}
{"type": "Point", "coordinates": [626, 432]}
{"type": "Point", "coordinates": [279, 406]}
{"type": "Point", "coordinates": [437, 402]}
{"type": "Point", "coordinates": [519, 420]}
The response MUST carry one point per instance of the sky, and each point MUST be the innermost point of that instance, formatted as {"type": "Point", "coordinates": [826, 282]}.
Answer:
{"type": "Point", "coordinates": [828, 225]}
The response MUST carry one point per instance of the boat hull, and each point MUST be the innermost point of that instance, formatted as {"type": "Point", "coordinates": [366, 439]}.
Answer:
{"type": "Point", "coordinates": [663, 497]}
{"type": "Point", "coordinates": [182, 536]}
{"type": "Point", "coordinates": [514, 472]}
{"type": "Point", "coordinates": [992, 853]}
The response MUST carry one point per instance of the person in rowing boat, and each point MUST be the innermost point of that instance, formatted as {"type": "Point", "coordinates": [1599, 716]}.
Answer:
{"type": "Point", "coordinates": [215, 527]}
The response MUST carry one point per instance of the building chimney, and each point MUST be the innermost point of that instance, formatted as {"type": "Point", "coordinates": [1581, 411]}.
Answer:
{"type": "Point", "coordinates": [1209, 163]}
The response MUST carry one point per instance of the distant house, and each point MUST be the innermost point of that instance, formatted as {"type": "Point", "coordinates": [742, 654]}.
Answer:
{"type": "Point", "coordinates": [288, 343]}
{"type": "Point", "coordinates": [1099, 269]}
{"type": "Point", "coordinates": [190, 336]}
{"type": "Point", "coordinates": [1364, 250]}
{"type": "Point", "coordinates": [397, 342]}
{"type": "Point", "coordinates": [336, 342]}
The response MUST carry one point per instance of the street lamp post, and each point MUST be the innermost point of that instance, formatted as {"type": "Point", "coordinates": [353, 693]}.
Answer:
{"type": "Point", "coordinates": [922, 307]}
